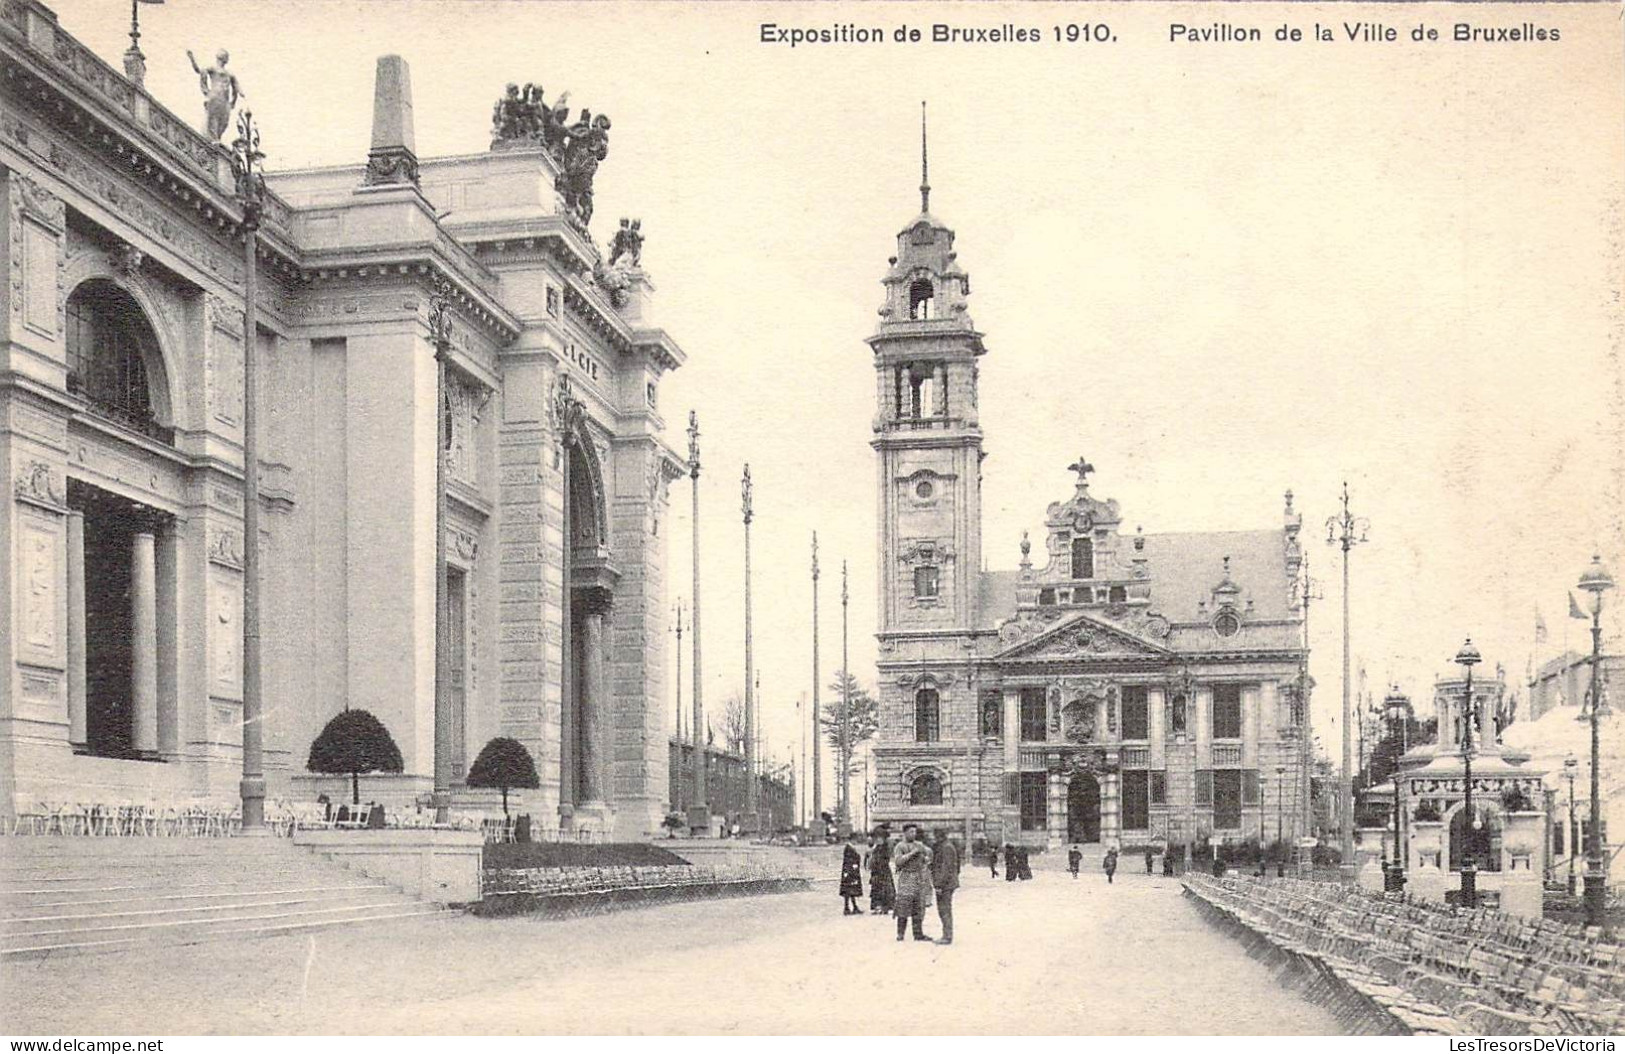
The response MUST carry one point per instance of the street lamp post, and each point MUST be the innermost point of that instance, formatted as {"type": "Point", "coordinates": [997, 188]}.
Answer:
{"type": "Point", "coordinates": [1397, 707]}
{"type": "Point", "coordinates": [752, 801]}
{"type": "Point", "coordinates": [817, 754]}
{"type": "Point", "coordinates": [699, 810]}
{"type": "Point", "coordinates": [1571, 764]}
{"type": "Point", "coordinates": [1596, 580]}
{"type": "Point", "coordinates": [678, 805]}
{"type": "Point", "coordinates": [247, 167]}
{"type": "Point", "coordinates": [440, 335]}
{"type": "Point", "coordinates": [1347, 530]}
{"type": "Point", "coordinates": [1468, 657]}
{"type": "Point", "coordinates": [1280, 819]}
{"type": "Point", "coordinates": [844, 727]}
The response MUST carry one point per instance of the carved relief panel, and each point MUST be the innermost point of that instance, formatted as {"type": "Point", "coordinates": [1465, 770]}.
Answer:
{"type": "Point", "coordinates": [225, 633]}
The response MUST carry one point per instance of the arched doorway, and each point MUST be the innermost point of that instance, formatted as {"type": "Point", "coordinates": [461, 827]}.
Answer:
{"type": "Point", "coordinates": [1083, 809]}
{"type": "Point", "coordinates": [586, 735]}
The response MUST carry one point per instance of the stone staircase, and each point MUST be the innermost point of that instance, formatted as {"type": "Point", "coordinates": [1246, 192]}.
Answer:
{"type": "Point", "coordinates": [77, 894]}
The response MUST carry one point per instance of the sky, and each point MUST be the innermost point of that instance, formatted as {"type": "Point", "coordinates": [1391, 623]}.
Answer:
{"type": "Point", "coordinates": [1218, 271]}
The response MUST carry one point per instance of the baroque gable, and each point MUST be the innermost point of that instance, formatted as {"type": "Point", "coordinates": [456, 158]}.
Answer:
{"type": "Point", "coordinates": [1084, 638]}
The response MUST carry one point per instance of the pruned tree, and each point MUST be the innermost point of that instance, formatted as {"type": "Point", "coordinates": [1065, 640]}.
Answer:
{"type": "Point", "coordinates": [733, 724]}
{"type": "Point", "coordinates": [850, 719]}
{"type": "Point", "coordinates": [504, 764]}
{"type": "Point", "coordinates": [353, 743]}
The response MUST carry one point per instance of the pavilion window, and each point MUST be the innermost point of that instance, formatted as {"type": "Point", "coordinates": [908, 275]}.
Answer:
{"type": "Point", "coordinates": [1033, 719]}
{"type": "Point", "coordinates": [927, 716]}
{"type": "Point", "coordinates": [925, 789]}
{"type": "Point", "coordinates": [1034, 801]}
{"type": "Point", "coordinates": [1136, 712]}
{"type": "Point", "coordinates": [1083, 558]}
{"type": "Point", "coordinates": [1136, 799]}
{"type": "Point", "coordinates": [110, 343]}
{"type": "Point", "coordinates": [1117, 595]}
{"type": "Point", "coordinates": [926, 583]}
{"type": "Point", "coordinates": [1159, 787]}
{"type": "Point", "coordinates": [921, 296]}
{"type": "Point", "coordinates": [1046, 597]}
{"type": "Point", "coordinates": [1227, 711]}
{"type": "Point", "coordinates": [1204, 787]}
{"type": "Point", "coordinates": [1227, 785]}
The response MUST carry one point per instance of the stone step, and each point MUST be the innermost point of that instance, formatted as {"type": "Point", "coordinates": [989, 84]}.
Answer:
{"type": "Point", "coordinates": [181, 929]}
{"type": "Point", "coordinates": [91, 901]}
{"type": "Point", "coordinates": [53, 847]}
{"type": "Point", "coordinates": [62, 920]}
{"type": "Point", "coordinates": [136, 878]}
{"type": "Point", "coordinates": [93, 942]}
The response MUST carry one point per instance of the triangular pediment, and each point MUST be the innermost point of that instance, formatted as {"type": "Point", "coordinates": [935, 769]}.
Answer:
{"type": "Point", "coordinates": [1085, 638]}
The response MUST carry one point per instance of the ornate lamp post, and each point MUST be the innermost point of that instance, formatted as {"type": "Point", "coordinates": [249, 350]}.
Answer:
{"type": "Point", "coordinates": [440, 334]}
{"type": "Point", "coordinates": [844, 727]}
{"type": "Point", "coordinates": [1347, 530]}
{"type": "Point", "coordinates": [699, 811]}
{"type": "Point", "coordinates": [1468, 657]}
{"type": "Point", "coordinates": [752, 810]}
{"type": "Point", "coordinates": [248, 169]}
{"type": "Point", "coordinates": [1397, 707]}
{"type": "Point", "coordinates": [1280, 819]}
{"type": "Point", "coordinates": [1310, 591]}
{"type": "Point", "coordinates": [1596, 580]}
{"type": "Point", "coordinates": [817, 755]}
{"type": "Point", "coordinates": [1571, 765]}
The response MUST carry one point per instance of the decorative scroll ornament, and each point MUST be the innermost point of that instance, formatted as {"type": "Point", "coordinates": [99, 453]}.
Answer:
{"type": "Point", "coordinates": [576, 148]}
{"type": "Point", "coordinates": [566, 415]}
{"type": "Point", "coordinates": [36, 484]}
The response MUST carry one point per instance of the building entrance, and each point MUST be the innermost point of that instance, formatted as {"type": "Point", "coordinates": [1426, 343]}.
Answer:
{"type": "Point", "coordinates": [1083, 809]}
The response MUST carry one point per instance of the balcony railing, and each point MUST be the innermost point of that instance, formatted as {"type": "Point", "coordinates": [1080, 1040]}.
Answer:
{"type": "Point", "coordinates": [1226, 755]}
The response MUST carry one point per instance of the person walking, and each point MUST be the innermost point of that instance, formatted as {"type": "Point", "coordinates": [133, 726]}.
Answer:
{"type": "Point", "coordinates": [1026, 863]}
{"type": "Point", "coordinates": [945, 878]}
{"type": "Point", "coordinates": [1148, 857]}
{"type": "Point", "coordinates": [993, 860]}
{"type": "Point", "coordinates": [912, 862]}
{"type": "Point", "coordinates": [1012, 863]}
{"type": "Point", "coordinates": [1110, 864]}
{"type": "Point", "coordinates": [851, 877]}
{"type": "Point", "coordinates": [882, 894]}
{"type": "Point", "coordinates": [1074, 860]}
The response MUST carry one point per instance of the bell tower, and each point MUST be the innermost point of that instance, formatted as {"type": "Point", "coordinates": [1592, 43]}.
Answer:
{"type": "Point", "coordinates": [927, 440]}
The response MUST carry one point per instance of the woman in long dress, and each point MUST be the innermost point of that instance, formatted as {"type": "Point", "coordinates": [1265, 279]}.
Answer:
{"type": "Point", "coordinates": [851, 877]}
{"type": "Point", "coordinates": [882, 893]}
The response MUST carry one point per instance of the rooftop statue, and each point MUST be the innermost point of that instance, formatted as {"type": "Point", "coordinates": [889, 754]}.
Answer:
{"type": "Point", "coordinates": [627, 244]}
{"type": "Point", "coordinates": [577, 149]}
{"type": "Point", "coordinates": [221, 91]}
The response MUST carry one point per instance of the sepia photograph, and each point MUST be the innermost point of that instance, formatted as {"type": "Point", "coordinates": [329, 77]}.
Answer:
{"type": "Point", "coordinates": [517, 518]}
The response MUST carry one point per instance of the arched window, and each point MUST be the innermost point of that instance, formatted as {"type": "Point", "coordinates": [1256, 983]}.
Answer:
{"type": "Point", "coordinates": [110, 343]}
{"type": "Point", "coordinates": [1083, 558]}
{"type": "Point", "coordinates": [920, 294]}
{"type": "Point", "coordinates": [926, 716]}
{"type": "Point", "coordinates": [1480, 843]}
{"type": "Point", "coordinates": [925, 789]}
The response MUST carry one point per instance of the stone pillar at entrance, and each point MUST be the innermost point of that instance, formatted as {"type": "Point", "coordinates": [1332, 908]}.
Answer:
{"type": "Point", "coordinates": [77, 735]}
{"type": "Point", "coordinates": [596, 745]}
{"type": "Point", "coordinates": [1111, 782]}
{"type": "Point", "coordinates": [1057, 810]}
{"type": "Point", "coordinates": [144, 645]}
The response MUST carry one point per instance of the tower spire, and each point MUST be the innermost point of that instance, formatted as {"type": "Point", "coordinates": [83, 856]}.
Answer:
{"type": "Point", "coordinates": [925, 179]}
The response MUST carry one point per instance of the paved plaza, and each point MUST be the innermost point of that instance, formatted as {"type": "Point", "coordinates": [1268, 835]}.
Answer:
{"type": "Point", "coordinates": [1054, 955]}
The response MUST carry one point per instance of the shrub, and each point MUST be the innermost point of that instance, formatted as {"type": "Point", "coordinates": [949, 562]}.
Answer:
{"type": "Point", "coordinates": [354, 742]}
{"type": "Point", "coordinates": [505, 764]}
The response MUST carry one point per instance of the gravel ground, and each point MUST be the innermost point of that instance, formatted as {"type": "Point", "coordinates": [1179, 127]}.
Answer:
{"type": "Point", "coordinates": [1054, 955]}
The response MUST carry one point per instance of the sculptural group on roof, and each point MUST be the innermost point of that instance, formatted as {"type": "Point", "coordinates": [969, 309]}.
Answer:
{"type": "Point", "coordinates": [576, 147]}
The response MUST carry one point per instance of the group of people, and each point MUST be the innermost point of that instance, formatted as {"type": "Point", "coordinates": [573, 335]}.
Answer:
{"type": "Point", "coordinates": [905, 877]}
{"type": "Point", "coordinates": [1016, 865]}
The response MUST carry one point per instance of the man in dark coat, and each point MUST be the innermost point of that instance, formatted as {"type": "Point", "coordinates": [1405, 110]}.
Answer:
{"type": "Point", "coordinates": [945, 877]}
{"type": "Point", "coordinates": [911, 859]}
{"type": "Point", "coordinates": [1012, 863]}
{"type": "Point", "coordinates": [882, 893]}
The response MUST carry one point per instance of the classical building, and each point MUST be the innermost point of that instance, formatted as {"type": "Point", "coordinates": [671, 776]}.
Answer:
{"type": "Point", "coordinates": [121, 450]}
{"type": "Point", "coordinates": [1121, 687]}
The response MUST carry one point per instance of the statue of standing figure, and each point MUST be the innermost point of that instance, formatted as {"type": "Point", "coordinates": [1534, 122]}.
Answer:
{"type": "Point", "coordinates": [220, 92]}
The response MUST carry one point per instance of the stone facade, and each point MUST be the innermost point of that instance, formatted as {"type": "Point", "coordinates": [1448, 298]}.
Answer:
{"type": "Point", "coordinates": [1127, 689]}
{"type": "Point", "coordinates": [119, 219]}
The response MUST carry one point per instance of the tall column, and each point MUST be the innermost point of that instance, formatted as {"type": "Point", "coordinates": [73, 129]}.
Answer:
{"type": "Point", "coordinates": [817, 732]}
{"type": "Point", "coordinates": [699, 818]}
{"type": "Point", "coordinates": [440, 335]}
{"type": "Point", "coordinates": [77, 734]}
{"type": "Point", "coordinates": [1057, 810]}
{"type": "Point", "coordinates": [144, 645]}
{"type": "Point", "coordinates": [597, 747]}
{"type": "Point", "coordinates": [1111, 802]}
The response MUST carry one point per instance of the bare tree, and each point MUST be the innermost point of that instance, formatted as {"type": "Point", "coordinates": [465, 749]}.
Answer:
{"type": "Point", "coordinates": [850, 719]}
